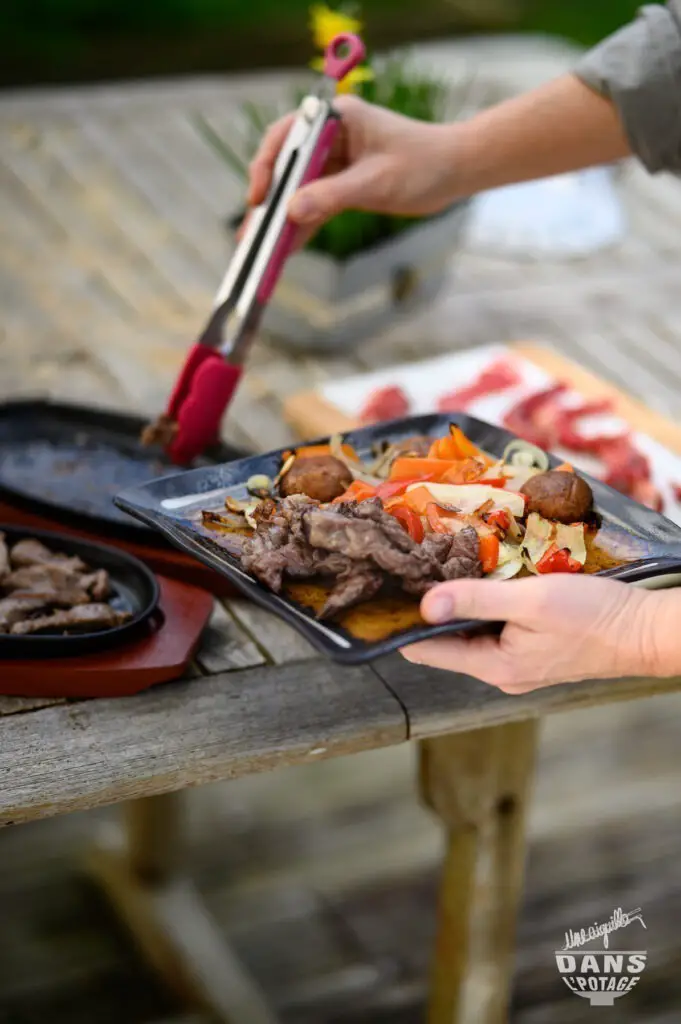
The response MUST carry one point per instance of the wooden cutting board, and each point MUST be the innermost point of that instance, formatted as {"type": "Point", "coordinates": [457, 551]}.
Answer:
{"type": "Point", "coordinates": [312, 415]}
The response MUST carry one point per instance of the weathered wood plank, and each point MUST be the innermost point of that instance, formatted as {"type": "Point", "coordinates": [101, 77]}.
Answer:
{"type": "Point", "coordinates": [67, 758]}
{"type": "Point", "coordinates": [282, 643]}
{"type": "Point", "coordinates": [441, 702]}
{"type": "Point", "coordinates": [19, 705]}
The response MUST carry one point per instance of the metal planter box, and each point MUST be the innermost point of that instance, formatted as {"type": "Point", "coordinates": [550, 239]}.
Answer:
{"type": "Point", "coordinates": [323, 304]}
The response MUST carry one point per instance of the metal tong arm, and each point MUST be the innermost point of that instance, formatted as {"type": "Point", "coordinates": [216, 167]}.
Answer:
{"type": "Point", "coordinates": [240, 297]}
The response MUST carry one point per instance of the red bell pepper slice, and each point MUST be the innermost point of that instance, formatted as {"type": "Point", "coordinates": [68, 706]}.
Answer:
{"type": "Point", "coordinates": [410, 521]}
{"type": "Point", "coordinates": [558, 560]}
{"type": "Point", "coordinates": [499, 518]}
{"type": "Point", "coordinates": [395, 488]}
{"type": "Point", "coordinates": [437, 518]}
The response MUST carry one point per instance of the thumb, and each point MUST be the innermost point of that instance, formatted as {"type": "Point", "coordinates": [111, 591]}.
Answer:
{"type": "Point", "coordinates": [323, 199]}
{"type": "Point", "coordinates": [488, 600]}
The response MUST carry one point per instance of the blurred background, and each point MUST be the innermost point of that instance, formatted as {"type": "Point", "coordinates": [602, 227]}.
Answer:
{"type": "Point", "coordinates": [86, 40]}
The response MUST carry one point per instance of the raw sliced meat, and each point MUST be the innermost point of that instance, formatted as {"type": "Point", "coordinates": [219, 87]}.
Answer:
{"type": "Point", "coordinates": [388, 403]}
{"type": "Point", "coordinates": [498, 376]}
{"type": "Point", "coordinates": [535, 418]}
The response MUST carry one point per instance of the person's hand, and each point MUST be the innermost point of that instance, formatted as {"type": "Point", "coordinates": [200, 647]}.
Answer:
{"type": "Point", "coordinates": [381, 161]}
{"type": "Point", "coordinates": [559, 629]}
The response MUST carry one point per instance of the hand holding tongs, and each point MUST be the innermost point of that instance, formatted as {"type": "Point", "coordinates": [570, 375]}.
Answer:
{"type": "Point", "coordinates": [213, 367]}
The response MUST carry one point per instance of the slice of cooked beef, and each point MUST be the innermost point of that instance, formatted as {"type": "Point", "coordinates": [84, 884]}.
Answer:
{"type": "Point", "coordinates": [42, 577]}
{"type": "Point", "coordinates": [97, 584]}
{"type": "Point", "coordinates": [13, 609]}
{"type": "Point", "coordinates": [32, 552]}
{"type": "Point", "coordinates": [86, 618]}
{"type": "Point", "coordinates": [64, 597]}
{"type": "Point", "coordinates": [360, 585]}
{"type": "Point", "coordinates": [463, 561]}
{"type": "Point", "coordinates": [360, 539]}
{"type": "Point", "coordinates": [372, 509]}
{"type": "Point", "coordinates": [4, 557]}
{"type": "Point", "coordinates": [438, 546]}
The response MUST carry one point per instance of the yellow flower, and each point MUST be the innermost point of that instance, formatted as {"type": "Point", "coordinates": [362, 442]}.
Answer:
{"type": "Point", "coordinates": [326, 24]}
{"type": "Point", "coordinates": [354, 78]}
{"type": "Point", "coordinates": [351, 80]}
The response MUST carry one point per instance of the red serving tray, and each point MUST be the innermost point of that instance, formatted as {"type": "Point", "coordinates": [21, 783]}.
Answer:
{"type": "Point", "coordinates": [164, 560]}
{"type": "Point", "coordinates": [159, 656]}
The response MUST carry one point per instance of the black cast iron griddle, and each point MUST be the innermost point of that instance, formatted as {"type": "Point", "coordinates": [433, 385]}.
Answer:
{"type": "Point", "coordinates": [172, 506]}
{"type": "Point", "coordinates": [134, 590]}
{"type": "Point", "coordinates": [67, 462]}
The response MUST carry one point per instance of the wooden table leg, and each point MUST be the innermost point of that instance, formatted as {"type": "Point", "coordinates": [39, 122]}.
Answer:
{"type": "Point", "coordinates": [139, 869]}
{"type": "Point", "coordinates": [478, 784]}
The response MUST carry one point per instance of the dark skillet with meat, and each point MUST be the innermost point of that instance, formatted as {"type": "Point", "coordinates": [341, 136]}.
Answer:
{"type": "Point", "coordinates": [563, 497]}
{"type": "Point", "coordinates": [61, 596]}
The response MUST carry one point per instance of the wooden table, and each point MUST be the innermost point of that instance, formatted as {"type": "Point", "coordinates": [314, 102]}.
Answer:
{"type": "Point", "coordinates": [111, 247]}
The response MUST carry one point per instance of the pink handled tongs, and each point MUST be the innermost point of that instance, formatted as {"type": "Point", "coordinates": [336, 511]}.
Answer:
{"type": "Point", "coordinates": [214, 365]}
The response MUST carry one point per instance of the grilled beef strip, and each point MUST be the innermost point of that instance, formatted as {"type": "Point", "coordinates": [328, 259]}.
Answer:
{"type": "Point", "coordinates": [86, 618]}
{"type": "Point", "coordinates": [49, 591]}
{"type": "Point", "coordinates": [56, 575]}
{"type": "Point", "coordinates": [4, 557]}
{"type": "Point", "coordinates": [32, 552]}
{"type": "Point", "coordinates": [14, 609]}
{"type": "Point", "coordinates": [360, 585]}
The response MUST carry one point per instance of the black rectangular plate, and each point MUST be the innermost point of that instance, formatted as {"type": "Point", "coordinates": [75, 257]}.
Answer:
{"type": "Point", "coordinates": [657, 539]}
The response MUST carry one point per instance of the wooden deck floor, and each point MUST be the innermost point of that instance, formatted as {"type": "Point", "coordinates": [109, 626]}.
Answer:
{"type": "Point", "coordinates": [323, 876]}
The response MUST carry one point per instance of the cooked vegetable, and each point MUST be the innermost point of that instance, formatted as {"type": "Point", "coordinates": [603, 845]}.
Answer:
{"type": "Point", "coordinates": [410, 468]}
{"type": "Point", "coordinates": [543, 539]}
{"type": "Point", "coordinates": [230, 521]}
{"type": "Point", "coordinates": [557, 495]}
{"type": "Point", "coordinates": [351, 462]}
{"type": "Point", "coordinates": [410, 521]}
{"type": "Point", "coordinates": [509, 564]}
{"type": "Point", "coordinates": [558, 560]}
{"type": "Point", "coordinates": [319, 476]}
{"type": "Point", "coordinates": [522, 453]}
{"type": "Point", "coordinates": [468, 497]}
{"type": "Point", "coordinates": [260, 486]}
{"type": "Point", "coordinates": [489, 552]}
{"type": "Point", "coordinates": [357, 491]}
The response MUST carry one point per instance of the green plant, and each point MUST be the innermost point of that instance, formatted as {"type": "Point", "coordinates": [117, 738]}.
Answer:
{"type": "Point", "coordinates": [392, 83]}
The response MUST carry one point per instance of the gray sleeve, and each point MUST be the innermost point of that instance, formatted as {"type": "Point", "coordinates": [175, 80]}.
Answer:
{"type": "Point", "coordinates": [639, 69]}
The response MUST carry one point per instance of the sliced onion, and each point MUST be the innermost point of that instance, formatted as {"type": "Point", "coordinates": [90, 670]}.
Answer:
{"type": "Point", "coordinates": [510, 562]}
{"type": "Point", "coordinates": [357, 469]}
{"type": "Point", "coordinates": [515, 530]}
{"type": "Point", "coordinates": [237, 507]}
{"type": "Point", "coordinates": [571, 538]}
{"type": "Point", "coordinates": [522, 453]}
{"type": "Point", "coordinates": [380, 467]}
{"type": "Point", "coordinates": [229, 520]}
{"type": "Point", "coordinates": [538, 537]}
